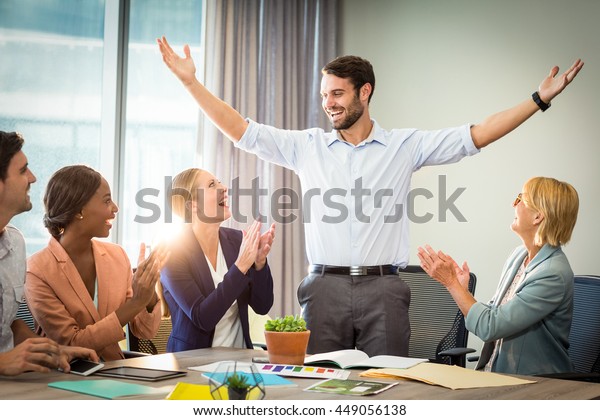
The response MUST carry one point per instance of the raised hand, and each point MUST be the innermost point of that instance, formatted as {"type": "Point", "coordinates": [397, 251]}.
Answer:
{"type": "Point", "coordinates": [183, 67]}
{"type": "Point", "coordinates": [440, 266]}
{"type": "Point", "coordinates": [463, 274]}
{"type": "Point", "coordinates": [147, 275]}
{"type": "Point", "coordinates": [552, 85]}
{"type": "Point", "coordinates": [249, 247]}
{"type": "Point", "coordinates": [264, 247]}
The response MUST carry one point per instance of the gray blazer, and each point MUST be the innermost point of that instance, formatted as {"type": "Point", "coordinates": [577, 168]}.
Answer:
{"type": "Point", "coordinates": [535, 323]}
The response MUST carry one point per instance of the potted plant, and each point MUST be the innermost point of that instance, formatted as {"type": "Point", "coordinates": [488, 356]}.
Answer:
{"type": "Point", "coordinates": [287, 339]}
{"type": "Point", "coordinates": [237, 386]}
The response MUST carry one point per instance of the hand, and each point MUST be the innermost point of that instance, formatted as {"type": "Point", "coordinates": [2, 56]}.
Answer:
{"type": "Point", "coordinates": [552, 85]}
{"type": "Point", "coordinates": [160, 253]}
{"type": "Point", "coordinates": [69, 353]}
{"type": "Point", "coordinates": [443, 268]}
{"type": "Point", "coordinates": [249, 247]}
{"type": "Point", "coordinates": [32, 355]}
{"type": "Point", "coordinates": [183, 68]}
{"type": "Point", "coordinates": [147, 275]}
{"type": "Point", "coordinates": [264, 247]}
{"type": "Point", "coordinates": [464, 274]}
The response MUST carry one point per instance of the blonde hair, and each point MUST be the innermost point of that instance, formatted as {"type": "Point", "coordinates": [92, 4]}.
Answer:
{"type": "Point", "coordinates": [184, 189]}
{"type": "Point", "coordinates": [164, 307]}
{"type": "Point", "coordinates": [559, 203]}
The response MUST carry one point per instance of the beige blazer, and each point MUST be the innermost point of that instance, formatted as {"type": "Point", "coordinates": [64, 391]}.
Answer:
{"type": "Point", "coordinates": [65, 311]}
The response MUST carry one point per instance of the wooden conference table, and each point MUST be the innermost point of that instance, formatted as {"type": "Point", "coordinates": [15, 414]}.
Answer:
{"type": "Point", "coordinates": [35, 386]}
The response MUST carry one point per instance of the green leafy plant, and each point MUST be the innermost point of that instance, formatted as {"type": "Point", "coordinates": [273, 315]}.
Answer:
{"type": "Point", "coordinates": [289, 323]}
{"type": "Point", "coordinates": [237, 381]}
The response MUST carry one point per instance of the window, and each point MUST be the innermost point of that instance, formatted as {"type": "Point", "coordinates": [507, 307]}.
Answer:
{"type": "Point", "coordinates": [161, 118]}
{"type": "Point", "coordinates": [50, 90]}
{"type": "Point", "coordinates": [53, 91]}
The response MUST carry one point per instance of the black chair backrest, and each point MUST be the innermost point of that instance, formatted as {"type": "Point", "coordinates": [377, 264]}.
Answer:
{"type": "Point", "coordinates": [436, 322]}
{"type": "Point", "coordinates": [585, 330]}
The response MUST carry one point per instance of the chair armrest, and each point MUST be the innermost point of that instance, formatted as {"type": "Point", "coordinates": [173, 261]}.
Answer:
{"type": "Point", "coordinates": [455, 354]}
{"type": "Point", "coordinates": [129, 354]}
{"type": "Point", "coordinates": [457, 351]}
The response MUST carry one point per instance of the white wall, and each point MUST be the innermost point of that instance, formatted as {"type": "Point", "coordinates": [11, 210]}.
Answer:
{"type": "Point", "coordinates": [441, 63]}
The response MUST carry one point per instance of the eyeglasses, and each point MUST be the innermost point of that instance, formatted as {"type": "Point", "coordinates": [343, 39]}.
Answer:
{"type": "Point", "coordinates": [518, 199]}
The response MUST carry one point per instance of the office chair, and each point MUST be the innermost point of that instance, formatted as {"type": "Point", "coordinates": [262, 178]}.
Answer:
{"type": "Point", "coordinates": [438, 331]}
{"type": "Point", "coordinates": [584, 338]}
{"type": "Point", "coordinates": [257, 323]}
{"type": "Point", "coordinates": [157, 345]}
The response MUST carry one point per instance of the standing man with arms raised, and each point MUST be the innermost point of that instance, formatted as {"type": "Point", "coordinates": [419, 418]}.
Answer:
{"type": "Point", "coordinates": [21, 350]}
{"type": "Point", "coordinates": [353, 296]}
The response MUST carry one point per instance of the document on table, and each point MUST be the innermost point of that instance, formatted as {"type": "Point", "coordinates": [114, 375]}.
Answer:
{"type": "Point", "coordinates": [453, 377]}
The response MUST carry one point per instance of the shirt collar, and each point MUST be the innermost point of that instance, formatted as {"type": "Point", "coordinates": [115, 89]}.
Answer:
{"type": "Point", "coordinates": [376, 134]}
{"type": "Point", "coordinates": [5, 243]}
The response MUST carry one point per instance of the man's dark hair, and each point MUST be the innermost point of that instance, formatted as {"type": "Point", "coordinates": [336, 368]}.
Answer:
{"type": "Point", "coordinates": [10, 145]}
{"type": "Point", "coordinates": [357, 69]}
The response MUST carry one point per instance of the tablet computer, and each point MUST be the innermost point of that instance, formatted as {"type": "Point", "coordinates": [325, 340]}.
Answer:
{"type": "Point", "coordinates": [140, 374]}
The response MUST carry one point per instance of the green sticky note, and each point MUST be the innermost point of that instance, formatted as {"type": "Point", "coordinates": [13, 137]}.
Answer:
{"type": "Point", "coordinates": [105, 388]}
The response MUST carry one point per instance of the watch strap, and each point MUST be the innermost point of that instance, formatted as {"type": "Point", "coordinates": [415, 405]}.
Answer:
{"type": "Point", "coordinates": [536, 98]}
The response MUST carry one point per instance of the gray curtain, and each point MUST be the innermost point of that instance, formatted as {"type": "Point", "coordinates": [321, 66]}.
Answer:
{"type": "Point", "coordinates": [264, 59]}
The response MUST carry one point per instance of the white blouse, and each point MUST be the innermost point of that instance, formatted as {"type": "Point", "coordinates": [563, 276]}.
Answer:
{"type": "Point", "coordinates": [228, 331]}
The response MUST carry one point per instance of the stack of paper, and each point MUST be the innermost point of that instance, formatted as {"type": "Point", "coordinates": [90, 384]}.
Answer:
{"type": "Point", "coordinates": [453, 377]}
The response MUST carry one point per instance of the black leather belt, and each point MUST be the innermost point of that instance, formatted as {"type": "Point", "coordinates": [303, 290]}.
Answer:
{"type": "Point", "coordinates": [355, 270]}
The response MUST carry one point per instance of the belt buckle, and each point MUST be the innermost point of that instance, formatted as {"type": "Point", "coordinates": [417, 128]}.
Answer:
{"type": "Point", "coordinates": [357, 270]}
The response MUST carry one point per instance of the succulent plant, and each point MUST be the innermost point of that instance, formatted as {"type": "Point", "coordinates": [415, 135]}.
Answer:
{"type": "Point", "coordinates": [289, 323]}
{"type": "Point", "coordinates": [237, 381]}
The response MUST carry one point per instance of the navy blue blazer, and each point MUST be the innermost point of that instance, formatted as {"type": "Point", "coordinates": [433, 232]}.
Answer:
{"type": "Point", "coordinates": [195, 304]}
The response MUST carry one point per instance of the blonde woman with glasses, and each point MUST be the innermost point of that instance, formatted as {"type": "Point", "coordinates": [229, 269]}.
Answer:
{"type": "Point", "coordinates": [526, 325]}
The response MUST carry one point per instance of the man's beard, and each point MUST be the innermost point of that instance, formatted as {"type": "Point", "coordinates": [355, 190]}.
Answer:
{"type": "Point", "coordinates": [355, 111]}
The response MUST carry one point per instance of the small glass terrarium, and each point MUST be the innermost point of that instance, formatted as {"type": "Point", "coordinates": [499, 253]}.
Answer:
{"type": "Point", "coordinates": [236, 381]}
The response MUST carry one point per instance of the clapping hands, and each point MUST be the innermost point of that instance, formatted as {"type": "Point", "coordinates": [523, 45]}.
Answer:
{"type": "Point", "coordinates": [443, 268]}
{"type": "Point", "coordinates": [255, 247]}
{"type": "Point", "coordinates": [148, 274]}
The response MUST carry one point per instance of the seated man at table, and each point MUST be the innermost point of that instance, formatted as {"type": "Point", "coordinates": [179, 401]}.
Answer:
{"type": "Point", "coordinates": [21, 350]}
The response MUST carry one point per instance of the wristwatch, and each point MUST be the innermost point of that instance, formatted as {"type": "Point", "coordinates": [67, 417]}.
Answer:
{"type": "Point", "coordinates": [536, 98]}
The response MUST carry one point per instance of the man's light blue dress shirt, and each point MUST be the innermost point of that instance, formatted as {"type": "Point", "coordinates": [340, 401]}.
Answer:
{"type": "Point", "coordinates": [357, 194]}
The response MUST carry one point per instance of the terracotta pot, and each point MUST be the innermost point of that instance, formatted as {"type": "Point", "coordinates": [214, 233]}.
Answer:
{"type": "Point", "coordinates": [287, 348]}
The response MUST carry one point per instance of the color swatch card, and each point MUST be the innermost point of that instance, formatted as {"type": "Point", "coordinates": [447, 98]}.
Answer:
{"type": "Point", "coordinates": [303, 371]}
